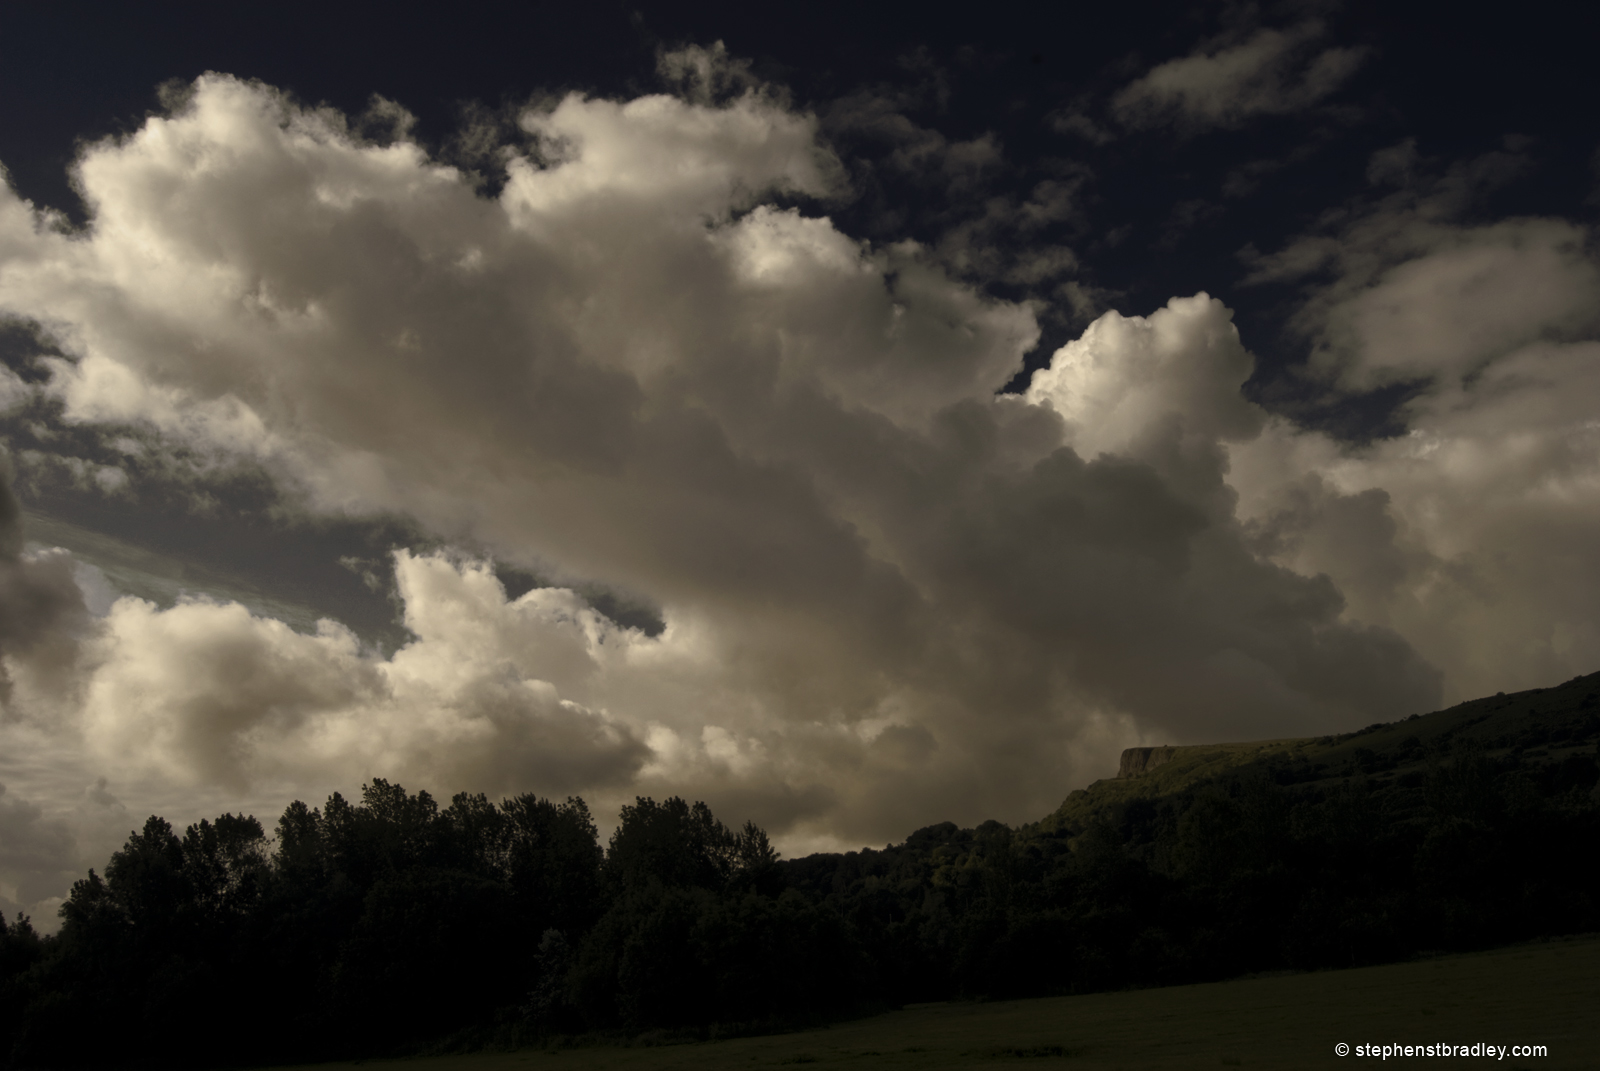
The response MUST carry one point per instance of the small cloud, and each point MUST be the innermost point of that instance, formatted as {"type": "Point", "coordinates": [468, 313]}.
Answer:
{"type": "Point", "coordinates": [366, 569]}
{"type": "Point", "coordinates": [968, 163]}
{"type": "Point", "coordinates": [99, 795]}
{"type": "Point", "coordinates": [1185, 217]}
{"type": "Point", "coordinates": [1296, 260]}
{"type": "Point", "coordinates": [1394, 166]}
{"type": "Point", "coordinates": [1036, 266]}
{"type": "Point", "coordinates": [1271, 72]}
{"type": "Point", "coordinates": [385, 121]}
{"type": "Point", "coordinates": [1077, 123]}
{"type": "Point", "coordinates": [1085, 302]}
{"type": "Point", "coordinates": [1245, 179]}
{"type": "Point", "coordinates": [705, 75]}
{"type": "Point", "coordinates": [36, 851]}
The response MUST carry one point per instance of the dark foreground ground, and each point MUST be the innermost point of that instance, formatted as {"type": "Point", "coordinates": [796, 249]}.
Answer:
{"type": "Point", "coordinates": [1545, 993]}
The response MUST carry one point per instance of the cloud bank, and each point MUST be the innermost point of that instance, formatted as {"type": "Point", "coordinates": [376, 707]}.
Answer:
{"type": "Point", "coordinates": [890, 594]}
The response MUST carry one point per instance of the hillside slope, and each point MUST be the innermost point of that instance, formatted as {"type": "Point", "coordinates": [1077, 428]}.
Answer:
{"type": "Point", "coordinates": [1545, 729]}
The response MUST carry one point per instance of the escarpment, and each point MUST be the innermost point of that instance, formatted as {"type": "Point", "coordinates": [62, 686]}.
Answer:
{"type": "Point", "coordinates": [1141, 760]}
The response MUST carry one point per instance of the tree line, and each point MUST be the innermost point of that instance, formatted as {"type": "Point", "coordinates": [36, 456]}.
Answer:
{"type": "Point", "coordinates": [391, 924]}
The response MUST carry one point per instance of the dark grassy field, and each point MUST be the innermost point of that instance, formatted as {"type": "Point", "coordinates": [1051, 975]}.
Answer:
{"type": "Point", "coordinates": [1540, 994]}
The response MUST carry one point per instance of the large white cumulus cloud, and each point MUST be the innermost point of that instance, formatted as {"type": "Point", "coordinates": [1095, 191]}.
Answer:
{"type": "Point", "coordinates": [890, 595]}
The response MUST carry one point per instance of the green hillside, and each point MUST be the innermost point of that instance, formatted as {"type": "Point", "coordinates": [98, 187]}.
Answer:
{"type": "Point", "coordinates": [1541, 729]}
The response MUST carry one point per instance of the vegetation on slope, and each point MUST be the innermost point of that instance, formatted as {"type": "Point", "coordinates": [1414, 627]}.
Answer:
{"type": "Point", "coordinates": [1537, 731]}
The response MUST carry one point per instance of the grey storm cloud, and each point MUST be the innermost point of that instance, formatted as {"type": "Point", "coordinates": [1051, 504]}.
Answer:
{"type": "Point", "coordinates": [42, 610]}
{"type": "Point", "coordinates": [35, 851]}
{"type": "Point", "coordinates": [888, 592]}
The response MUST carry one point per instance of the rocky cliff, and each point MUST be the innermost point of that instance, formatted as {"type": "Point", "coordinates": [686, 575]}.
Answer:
{"type": "Point", "coordinates": [1141, 760]}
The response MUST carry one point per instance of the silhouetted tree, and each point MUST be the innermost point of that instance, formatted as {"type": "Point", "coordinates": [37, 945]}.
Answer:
{"type": "Point", "coordinates": [670, 843]}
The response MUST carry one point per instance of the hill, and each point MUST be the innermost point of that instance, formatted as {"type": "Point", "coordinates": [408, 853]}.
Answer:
{"type": "Point", "coordinates": [1543, 731]}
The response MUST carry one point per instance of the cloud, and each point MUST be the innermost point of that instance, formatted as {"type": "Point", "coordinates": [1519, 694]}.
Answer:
{"type": "Point", "coordinates": [1159, 396]}
{"type": "Point", "coordinates": [1003, 239]}
{"type": "Point", "coordinates": [1408, 291]}
{"type": "Point", "coordinates": [42, 851]}
{"type": "Point", "coordinates": [921, 154]}
{"type": "Point", "coordinates": [889, 593]}
{"type": "Point", "coordinates": [1405, 291]}
{"type": "Point", "coordinates": [37, 854]}
{"type": "Point", "coordinates": [1075, 121]}
{"type": "Point", "coordinates": [207, 692]}
{"type": "Point", "coordinates": [1128, 379]}
{"type": "Point", "coordinates": [705, 75]}
{"type": "Point", "coordinates": [902, 168]}
{"type": "Point", "coordinates": [1231, 80]}
{"type": "Point", "coordinates": [1471, 531]}
{"type": "Point", "coordinates": [1471, 535]}
{"type": "Point", "coordinates": [42, 611]}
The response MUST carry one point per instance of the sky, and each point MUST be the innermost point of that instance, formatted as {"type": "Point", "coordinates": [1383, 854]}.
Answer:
{"type": "Point", "coordinates": [851, 419]}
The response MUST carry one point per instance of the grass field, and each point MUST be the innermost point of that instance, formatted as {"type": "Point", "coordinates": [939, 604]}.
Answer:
{"type": "Point", "coordinates": [1542, 994]}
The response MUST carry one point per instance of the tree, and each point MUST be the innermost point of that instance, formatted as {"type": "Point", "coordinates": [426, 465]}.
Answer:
{"type": "Point", "coordinates": [671, 843]}
{"type": "Point", "coordinates": [553, 862]}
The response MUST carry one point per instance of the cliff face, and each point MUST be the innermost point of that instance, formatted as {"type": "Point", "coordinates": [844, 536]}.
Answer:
{"type": "Point", "coordinates": [1141, 760]}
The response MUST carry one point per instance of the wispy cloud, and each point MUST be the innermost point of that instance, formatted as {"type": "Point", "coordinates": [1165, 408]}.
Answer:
{"type": "Point", "coordinates": [1231, 79]}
